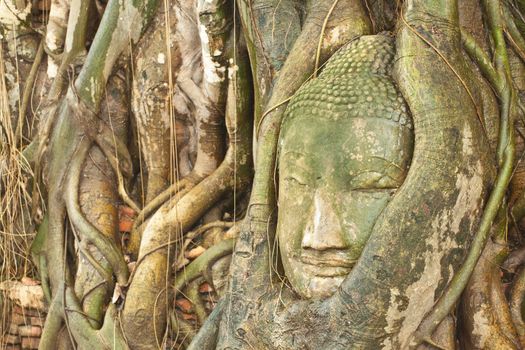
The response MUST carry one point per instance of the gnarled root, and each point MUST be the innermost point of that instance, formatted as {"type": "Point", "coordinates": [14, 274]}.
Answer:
{"type": "Point", "coordinates": [171, 221]}
{"type": "Point", "coordinates": [485, 318]}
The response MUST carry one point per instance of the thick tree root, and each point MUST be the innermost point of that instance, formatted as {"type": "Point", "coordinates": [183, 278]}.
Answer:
{"type": "Point", "coordinates": [517, 304]}
{"type": "Point", "coordinates": [485, 315]}
{"type": "Point", "coordinates": [197, 267]}
{"type": "Point", "coordinates": [506, 155]}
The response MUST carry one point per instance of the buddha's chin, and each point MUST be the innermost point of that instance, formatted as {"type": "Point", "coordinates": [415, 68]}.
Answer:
{"type": "Point", "coordinates": [322, 287]}
{"type": "Point", "coordinates": [316, 282]}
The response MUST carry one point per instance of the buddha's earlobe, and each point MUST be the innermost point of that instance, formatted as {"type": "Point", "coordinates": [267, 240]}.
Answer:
{"type": "Point", "coordinates": [323, 230]}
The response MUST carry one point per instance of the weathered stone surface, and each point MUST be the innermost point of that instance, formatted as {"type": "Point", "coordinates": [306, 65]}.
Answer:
{"type": "Point", "coordinates": [29, 297]}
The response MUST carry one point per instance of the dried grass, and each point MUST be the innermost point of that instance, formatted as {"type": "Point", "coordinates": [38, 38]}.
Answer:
{"type": "Point", "coordinates": [16, 226]}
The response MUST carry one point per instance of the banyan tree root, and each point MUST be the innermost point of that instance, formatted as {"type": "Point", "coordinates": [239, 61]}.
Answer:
{"type": "Point", "coordinates": [98, 195]}
{"type": "Point", "coordinates": [170, 85]}
{"type": "Point", "coordinates": [72, 137]}
{"type": "Point", "coordinates": [190, 201]}
{"type": "Point", "coordinates": [188, 285]}
{"type": "Point", "coordinates": [203, 263]}
{"type": "Point", "coordinates": [485, 315]}
{"type": "Point", "coordinates": [56, 33]}
{"type": "Point", "coordinates": [501, 79]}
{"type": "Point", "coordinates": [517, 302]}
{"type": "Point", "coordinates": [145, 319]}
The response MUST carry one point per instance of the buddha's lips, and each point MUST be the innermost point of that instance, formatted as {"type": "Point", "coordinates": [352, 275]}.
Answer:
{"type": "Point", "coordinates": [327, 261]}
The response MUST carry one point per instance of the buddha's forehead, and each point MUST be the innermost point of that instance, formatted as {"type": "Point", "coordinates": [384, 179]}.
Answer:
{"type": "Point", "coordinates": [349, 142]}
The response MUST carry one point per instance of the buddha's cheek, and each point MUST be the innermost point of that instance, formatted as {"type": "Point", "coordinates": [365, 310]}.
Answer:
{"type": "Point", "coordinates": [294, 209]}
{"type": "Point", "coordinates": [290, 227]}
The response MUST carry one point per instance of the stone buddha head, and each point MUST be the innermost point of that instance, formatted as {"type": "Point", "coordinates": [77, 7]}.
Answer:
{"type": "Point", "coordinates": [344, 150]}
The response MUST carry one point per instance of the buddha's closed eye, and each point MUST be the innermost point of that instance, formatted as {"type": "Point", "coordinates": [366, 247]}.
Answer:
{"type": "Point", "coordinates": [295, 180]}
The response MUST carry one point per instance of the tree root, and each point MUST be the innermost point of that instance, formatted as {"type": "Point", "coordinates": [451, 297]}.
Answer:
{"type": "Point", "coordinates": [206, 339]}
{"type": "Point", "coordinates": [190, 236]}
{"type": "Point", "coordinates": [485, 316]}
{"type": "Point", "coordinates": [517, 304]}
{"type": "Point", "coordinates": [178, 187]}
{"type": "Point", "coordinates": [506, 155]}
{"type": "Point", "coordinates": [139, 225]}
{"type": "Point", "coordinates": [158, 231]}
{"type": "Point", "coordinates": [120, 161]}
{"type": "Point", "coordinates": [515, 260]}
{"type": "Point", "coordinates": [171, 221]}
{"type": "Point", "coordinates": [181, 328]}
{"type": "Point", "coordinates": [198, 266]}
{"type": "Point", "coordinates": [71, 139]}
{"type": "Point", "coordinates": [512, 32]}
{"type": "Point", "coordinates": [195, 298]}
{"type": "Point", "coordinates": [39, 258]}
{"type": "Point", "coordinates": [86, 230]}
{"type": "Point", "coordinates": [114, 148]}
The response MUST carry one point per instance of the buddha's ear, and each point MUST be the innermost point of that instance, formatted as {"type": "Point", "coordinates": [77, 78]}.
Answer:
{"type": "Point", "coordinates": [421, 238]}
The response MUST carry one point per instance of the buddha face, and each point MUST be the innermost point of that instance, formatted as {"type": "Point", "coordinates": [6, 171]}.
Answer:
{"type": "Point", "coordinates": [335, 178]}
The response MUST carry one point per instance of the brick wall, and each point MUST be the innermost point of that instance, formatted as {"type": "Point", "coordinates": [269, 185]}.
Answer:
{"type": "Point", "coordinates": [24, 306]}
{"type": "Point", "coordinates": [24, 329]}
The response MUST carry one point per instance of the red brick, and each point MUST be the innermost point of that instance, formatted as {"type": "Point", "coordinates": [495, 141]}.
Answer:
{"type": "Point", "coordinates": [37, 321]}
{"type": "Point", "coordinates": [18, 319]}
{"type": "Point", "coordinates": [11, 347]}
{"type": "Point", "coordinates": [30, 343]}
{"type": "Point", "coordinates": [125, 224]}
{"type": "Point", "coordinates": [126, 211]}
{"type": "Point", "coordinates": [11, 339]}
{"type": "Point", "coordinates": [205, 288]}
{"type": "Point", "coordinates": [26, 312]}
{"type": "Point", "coordinates": [29, 331]}
{"type": "Point", "coordinates": [13, 328]}
{"type": "Point", "coordinates": [184, 305]}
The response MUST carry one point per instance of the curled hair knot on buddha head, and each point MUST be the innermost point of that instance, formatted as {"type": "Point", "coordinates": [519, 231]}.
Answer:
{"type": "Point", "coordinates": [355, 82]}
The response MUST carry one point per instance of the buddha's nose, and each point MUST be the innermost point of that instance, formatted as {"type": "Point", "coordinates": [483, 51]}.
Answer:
{"type": "Point", "coordinates": [323, 230]}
